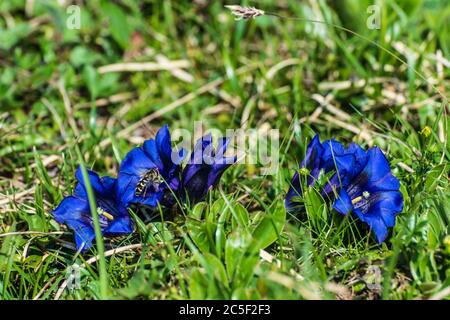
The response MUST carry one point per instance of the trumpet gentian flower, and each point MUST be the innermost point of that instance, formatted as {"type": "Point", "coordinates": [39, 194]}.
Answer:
{"type": "Point", "coordinates": [74, 210]}
{"type": "Point", "coordinates": [205, 168]}
{"type": "Point", "coordinates": [148, 175]}
{"type": "Point", "coordinates": [360, 182]}
{"type": "Point", "coordinates": [373, 195]}
{"type": "Point", "coordinates": [321, 159]}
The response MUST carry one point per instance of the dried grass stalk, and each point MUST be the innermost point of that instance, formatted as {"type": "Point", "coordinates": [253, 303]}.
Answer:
{"type": "Point", "coordinates": [244, 12]}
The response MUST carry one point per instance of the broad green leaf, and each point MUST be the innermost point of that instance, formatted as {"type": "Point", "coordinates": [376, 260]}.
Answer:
{"type": "Point", "coordinates": [10, 37]}
{"type": "Point", "coordinates": [198, 210]}
{"type": "Point", "coordinates": [269, 229]}
{"type": "Point", "coordinates": [218, 269]}
{"type": "Point", "coordinates": [240, 216]}
{"type": "Point", "coordinates": [197, 285]}
{"type": "Point", "coordinates": [236, 246]}
{"type": "Point", "coordinates": [90, 77]}
{"type": "Point", "coordinates": [434, 177]}
{"type": "Point", "coordinates": [199, 234]}
{"type": "Point", "coordinates": [220, 233]}
{"type": "Point", "coordinates": [120, 29]}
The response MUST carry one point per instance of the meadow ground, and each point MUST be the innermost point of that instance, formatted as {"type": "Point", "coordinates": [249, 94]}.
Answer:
{"type": "Point", "coordinates": [70, 95]}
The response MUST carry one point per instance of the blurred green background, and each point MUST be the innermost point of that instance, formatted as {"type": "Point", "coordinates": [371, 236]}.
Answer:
{"type": "Point", "coordinates": [60, 87]}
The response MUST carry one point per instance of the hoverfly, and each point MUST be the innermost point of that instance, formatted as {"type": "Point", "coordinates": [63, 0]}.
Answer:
{"type": "Point", "coordinates": [151, 177]}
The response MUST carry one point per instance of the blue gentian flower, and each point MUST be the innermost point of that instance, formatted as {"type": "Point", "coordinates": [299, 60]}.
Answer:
{"type": "Point", "coordinates": [359, 182]}
{"type": "Point", "coordinates": [321, 159]}
{"type": "Point", "coordinates": [373, 195]}
{"type": "Point", "coordinates": [205, 168]}
{"type": "Point", "coordinates": [75, 212]}
{"type": "Point", "coordinates": [148, 175]}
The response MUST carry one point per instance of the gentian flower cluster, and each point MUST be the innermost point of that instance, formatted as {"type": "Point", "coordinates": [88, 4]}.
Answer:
{"type": "Point", "coordinates": [205, 168]}
{"type": "Point", "coordinates": [149, 176]}
{"type": "Point", "coordinates": [357, 181]}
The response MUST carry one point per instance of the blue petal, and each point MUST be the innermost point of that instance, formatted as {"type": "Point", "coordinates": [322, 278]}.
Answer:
{"type": "Point", "coordinates": [294, 191]}
{"type": "Point", "coordinates": [120, 226]}
{"type": "Point", "coordinates": [150, 199]}
{"type": "Point", "coordinates": [174, 183]}
{"type": "Point", "coordinates": [343, 203]}
{"type": "Point", "coordinates": [313, 154]}
{"type": "Point", "coordinates": [109, 184]}
{"type": "Point", "coordinates": [109, 188]}
{"type": "Point", "coordinates": [84, 235]}
{"type": "Point", "coordinates": [73, 212]}
{"type": "Point", "coordinates": [152, 152]}
{"type": "Point", "coordinates": [378, 172]}
{"type": "Point", "coordinates": [314, 175]}
{"type": "Point", "coordinates": [189, 171]}
{"type": "Point", "coordinates": [94, 181]}
{"type": "Point", "coordinates": [330, 189]}
{"type": "Point", "coordinates": [387, 205]}
{"type": "Point", "coordinates": [344, 166]}
{"type": "Point", "coordinates": [218, 169]}
{"type": "Point", "coordinates": [205, 140]}
{"type": "Point", "coordinates": [104, 186]}
{"type": "Point", "coordinates": [205, 167]}
{"type": "Point", "coordinates": [80, 191]}
{"type": "Point", "coordinates": [360, 154]}
{"type": "Point", "coordinates": [331, 148]}
{"type": "Point", "coordinates": [126, 188]}
{"type": "Point", "coordinates": [164, 145]}
{"type": "Point", "coordinates": [376, 224]}
{"type": "Point", "coordinates": [222, 163]}
{"type": "Point", "coordinates": [203, 150]}
{"type": "Point", "coordinates": [71, 209]}
{"type": "Point", "coordinates": [182, 153]}
{"type": "Point", "coordinates": [136, 163]}
{"type": "Point", "coordinates": [222, 147]}
{"type": "Point", "coordinates": [197, 186]}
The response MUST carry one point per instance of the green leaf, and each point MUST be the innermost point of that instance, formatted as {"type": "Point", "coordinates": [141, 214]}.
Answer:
{"type": "Point", "coordinates": [240, 216]}
{"type": "Point", "coordinates": [7, 243]}
{"type": "Point", "coordinates": [199, 234]}
{"type": "Point", "coordinates": [220, 233]}
{"type": "Point", "coordinates": [45, 179]}
{"type": "Point", "coordinates": [10, 37]}
{"type": "Point", "coordinates": [434, 177]}
{"type": "Point", "coordinates": [268, 229]}
{"type": "Point", "coordinates": [120, 29]}
{"type": "Point", "coordinates": [197, 285]}
{"type": "Point", "coordinates": [218, 269]}
{"type": "Point", "coordinates": [236, 246]}
{"type": "Point", "coordinates": [316, 209]}
{"type": "Point", "coordinates": [90, 76]}
{"type": "Point", "coordinates": [198, 210]}
{"type": "Point", "coordinates": [139, 285]}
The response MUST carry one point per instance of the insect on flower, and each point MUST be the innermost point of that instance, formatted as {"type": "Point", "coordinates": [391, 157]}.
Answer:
{"type": "Point", "coordinates": [151, 178]}
{"type": "Point", "coordinates": [148, 175]}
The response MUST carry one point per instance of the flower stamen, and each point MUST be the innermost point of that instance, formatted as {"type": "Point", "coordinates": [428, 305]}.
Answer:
{"type": "Point", "coordinates": [107, 215]}
{"type": "Point", "coordinates": [365, 195]}
{"type": "Point", "coordinates": [357, 199]}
